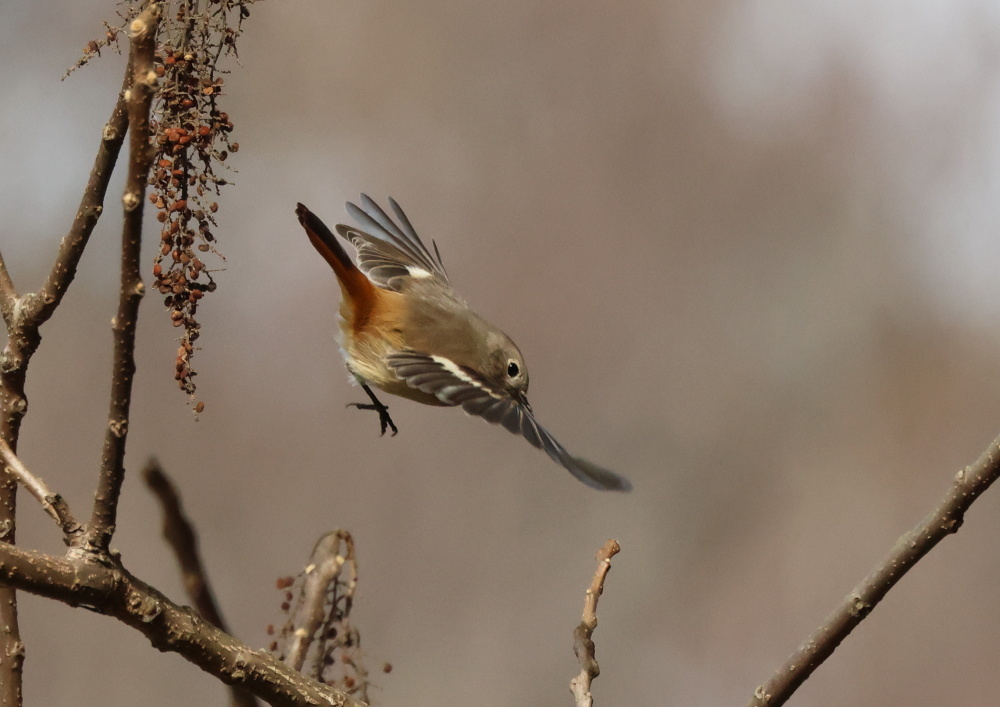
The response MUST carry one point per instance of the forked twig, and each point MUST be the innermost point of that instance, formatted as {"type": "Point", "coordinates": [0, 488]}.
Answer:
{"type": "Point", "coordinates": [23, 316]}
{"type": "Point", "coordinates": [309, 613]}
{"type": "Point", "coordinates": [52, 503]}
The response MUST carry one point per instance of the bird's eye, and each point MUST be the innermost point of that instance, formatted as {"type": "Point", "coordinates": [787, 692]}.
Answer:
{"type": "Point", "coordinates": [512, 369]}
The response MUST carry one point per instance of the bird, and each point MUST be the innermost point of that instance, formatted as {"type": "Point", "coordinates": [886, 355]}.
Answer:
{"type": "Point", "coordinates": [405, 331]}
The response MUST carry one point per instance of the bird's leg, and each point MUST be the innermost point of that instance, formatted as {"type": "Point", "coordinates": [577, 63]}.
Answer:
{"type": "Point", "coordinates": [376, 404]}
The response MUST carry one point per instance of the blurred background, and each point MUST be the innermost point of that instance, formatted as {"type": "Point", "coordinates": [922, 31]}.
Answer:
{"type": "Point", "coordinates": [749, 250]}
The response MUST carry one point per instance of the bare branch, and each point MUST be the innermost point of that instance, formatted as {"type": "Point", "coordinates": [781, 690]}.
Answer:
{"type": "Point", "coordinates": [89, 211]}
{"type": "Point", "coordinates": [583, 645]}
{"type": "Point", "coordinates": [39, 307]}
{"type": "Point", "coordinates": [52, 503]}
{"type": "Point", "coordinates": [143, 46]}
{"type": "Point", "coordinates": [108, 588]}
{"type": "Point", "coordinates": [945, 519]}
{"type": "Point", "coordinates": [23, 316]}
{"type": "Point", "coordinates": [183, 540]}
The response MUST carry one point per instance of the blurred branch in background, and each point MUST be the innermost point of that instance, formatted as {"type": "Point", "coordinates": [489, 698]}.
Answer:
{"type": "Point", "coordinates": [945, 519]}
{"type": "Point", "coordinates": [583, 645]}
{"type": "Point", "coordinates": [319, 622]}
{"type": "Point", "coordinates": [181, 536]}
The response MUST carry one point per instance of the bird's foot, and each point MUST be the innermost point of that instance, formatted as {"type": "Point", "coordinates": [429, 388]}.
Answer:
{"type": "Point", "coordinates": [383, 411]}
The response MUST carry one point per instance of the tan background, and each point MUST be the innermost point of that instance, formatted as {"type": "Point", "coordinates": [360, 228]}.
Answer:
{"type": "Point", "coordinates": [748, 248]}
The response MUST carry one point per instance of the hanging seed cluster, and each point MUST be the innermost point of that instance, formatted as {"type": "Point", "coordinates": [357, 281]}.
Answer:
{"type": "Point", "coordinates": [191, 136]}
{"type": "Point", "coordinates": [192, 140]}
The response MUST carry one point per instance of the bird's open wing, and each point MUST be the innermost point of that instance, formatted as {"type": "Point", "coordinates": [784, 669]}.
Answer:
{"type": "Point", "coordinates": [457, 385]}
{"type": "Point", "coordinates": [387, 251]}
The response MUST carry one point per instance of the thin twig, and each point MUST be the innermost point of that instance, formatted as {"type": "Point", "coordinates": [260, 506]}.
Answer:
{"type": "Point", "coordinates": [52, 503]}
{"type": "Point", "coordinates": [8, 294]}
{"type": "Point", "coordinates": [183, 540]}
{"type": "Point", "coordinates": [108, 588]}
{"type": "Point", "coordinates": [583, 646]}
{"type": "Point", "coordinates": [143, 45]}
{"type": "Point", "coordinates": [90, 209]}
{"type": "Point", "coordinates": [37, 308]}
{"type": "Point", "coordinates": [945, 519]}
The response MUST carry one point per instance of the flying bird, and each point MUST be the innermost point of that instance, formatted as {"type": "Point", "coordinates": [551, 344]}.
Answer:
{"type": "Point", "coordinates": [408, 333]}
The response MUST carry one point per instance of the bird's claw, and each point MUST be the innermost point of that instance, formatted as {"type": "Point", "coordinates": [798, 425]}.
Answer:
{"type": "Point", "coordinates": [383, 415]}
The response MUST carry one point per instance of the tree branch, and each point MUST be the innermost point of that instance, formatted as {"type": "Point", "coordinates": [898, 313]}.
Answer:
{"type": "Point", "coordinates": [39, 307]}
{"type": "Point", "coordinates": [183, 540]}
{"type": "Point", "coordinates": [583, 645]}
{"type": "Point", "coordinates": [945, 519]}
{"type": "Point", "coordinates": [140, 98]}
{"type": "Point", "coordinates": [24, 316]}
{"type": "Point", "coordinates": [108, 588]}
{"type": "Point", "coordinates": [52, 503]}
{"type": "Point", "coordinates": [90, 209]}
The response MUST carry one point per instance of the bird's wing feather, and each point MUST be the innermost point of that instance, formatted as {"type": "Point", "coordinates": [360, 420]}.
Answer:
{"type": "Point", "coordinates": [458, 385]}
{"type": "Point", "coordinates": [389, 252]}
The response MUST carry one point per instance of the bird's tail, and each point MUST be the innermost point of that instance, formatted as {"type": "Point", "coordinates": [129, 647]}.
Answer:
{"type": "Point", "coordinates": [357, 288]}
